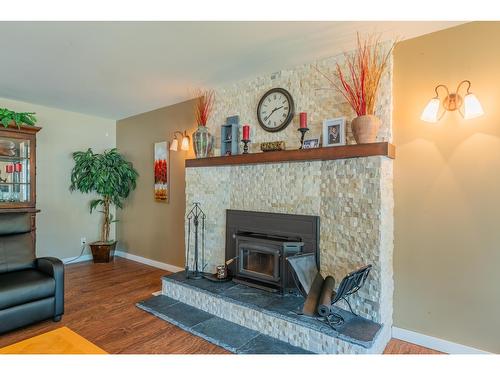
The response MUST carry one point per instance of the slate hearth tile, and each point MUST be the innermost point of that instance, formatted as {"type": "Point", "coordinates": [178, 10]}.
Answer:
{"type": "Point", "coordinates": [178, 276]}
{"type": "Point", "coordinates": [224, 333]}
{"type": "Point", "coordinates": [286, 305]}
{"type": "Point", "coordinates": [158, 303]}
{"type": "Point", "coordinates": [251, 296]}
{"type": "Point", "coordinates": [357, 328]}
{"type": "Point", "coordinates": [211, 286]}
{"type": "Point", "coordinates": [186, 315]}
{"type": "Point", "coordinates": [263, 344]}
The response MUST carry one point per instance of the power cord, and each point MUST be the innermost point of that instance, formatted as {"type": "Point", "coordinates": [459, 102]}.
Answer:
{"type": "Point", "coordinates": [79, 256]}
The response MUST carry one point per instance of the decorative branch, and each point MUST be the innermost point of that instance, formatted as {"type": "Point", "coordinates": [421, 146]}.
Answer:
{"type": "Point", "coordinates": [204, 106]}
{"type": "Point", "coordinates": [358, 78]}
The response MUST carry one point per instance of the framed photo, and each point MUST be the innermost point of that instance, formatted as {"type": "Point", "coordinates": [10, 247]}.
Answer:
{"type": "Point", "coordinates": [161, 172]}
{"type": "Point", "coordinates": [311, 143]}
{"type": "Point", "coordinates": [334, 132]}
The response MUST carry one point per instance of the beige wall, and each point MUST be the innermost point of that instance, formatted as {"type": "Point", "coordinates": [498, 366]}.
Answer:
{"type": "Point", "coordinates": [147, 228]}
{"type": "Point", "coordinates": [447, 190]}
{"type": "Point", "coordinates": [64, 216]}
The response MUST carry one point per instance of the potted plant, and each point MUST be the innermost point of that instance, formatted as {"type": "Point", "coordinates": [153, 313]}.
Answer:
{"type": "Point", "coordinates": [8, 117]}
{"type": "Point", "coordinates": [203, 141]}
{"type": "Point", "coordinates": [358, 79]}
{"type": "Point", "coordinates": [111, 177]}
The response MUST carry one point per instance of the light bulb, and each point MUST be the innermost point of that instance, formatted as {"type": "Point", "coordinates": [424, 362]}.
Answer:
{"type": "Point", "coordinates": [174, 145]}
{"type": "Point", "coordinates": [430, 112]}
{"type": "Point", "coordinates": [185, 144]}
{"type": "Point", "coordinates": [472, 107]}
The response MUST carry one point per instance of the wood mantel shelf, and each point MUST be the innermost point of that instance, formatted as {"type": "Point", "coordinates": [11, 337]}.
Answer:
{"type": "Point", "coordinates": [324, 153]}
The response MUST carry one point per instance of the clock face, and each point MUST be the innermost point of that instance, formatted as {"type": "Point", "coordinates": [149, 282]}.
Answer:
{"type": "Point", "coordinates": [275, 110]}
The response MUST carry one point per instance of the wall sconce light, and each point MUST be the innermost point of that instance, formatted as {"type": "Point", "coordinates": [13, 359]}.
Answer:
{"type": "Point", "coordinates": [184, 143]}
{"type": "Point", "coordinates": [452, 102]}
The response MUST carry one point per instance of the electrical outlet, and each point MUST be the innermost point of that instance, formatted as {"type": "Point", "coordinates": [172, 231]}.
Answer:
{"type": "Point", "coordinates": [83, 241]}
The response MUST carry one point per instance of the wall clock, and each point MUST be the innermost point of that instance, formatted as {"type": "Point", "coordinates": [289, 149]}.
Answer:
{"type": "Point", "coordinates": [275, 110]}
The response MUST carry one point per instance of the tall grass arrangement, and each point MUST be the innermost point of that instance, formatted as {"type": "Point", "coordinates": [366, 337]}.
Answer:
{"type": "Point", "coordinates": [358, 78]}
{"type": "Point", "coordinates": [204, 106]}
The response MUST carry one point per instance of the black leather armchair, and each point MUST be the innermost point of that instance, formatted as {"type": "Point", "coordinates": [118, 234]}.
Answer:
{"type": "Point", "coordinates": [31, 289]}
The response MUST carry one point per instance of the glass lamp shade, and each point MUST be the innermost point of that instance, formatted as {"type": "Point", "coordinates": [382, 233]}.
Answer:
{"type": "Point", "coordinates": [174, 145]}
{"type": "Point", "coordinates": [185, 144]}
{"type": "Point", "coordinates": [430, 112]}
{"type": "Point", "coordinates": [472, 107]}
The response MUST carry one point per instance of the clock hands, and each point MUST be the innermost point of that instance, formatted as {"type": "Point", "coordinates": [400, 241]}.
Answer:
{"type": "Point", "coordinates": [274, 110]}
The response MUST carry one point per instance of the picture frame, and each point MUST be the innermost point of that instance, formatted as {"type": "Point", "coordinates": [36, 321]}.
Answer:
{"type": "Point", "coordinates": [161, 172]}
{"type": "Point", "coordinates": [311, 143]}
{"type": "Point", "coordinates": [334, 132]}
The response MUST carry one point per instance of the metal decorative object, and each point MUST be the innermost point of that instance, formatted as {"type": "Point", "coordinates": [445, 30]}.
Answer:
{"type": "Point", "coordinates": [245, 145]}
{"type": "Point", "coordinates": [303, 131]}
{"type": "Point", "coordinates": [272, 146]}
{"type": "Point", "coordinates": [196, 216]}
{"type": "Point", "coordinates": [319, 292]}
{"type": "Point", "coordinates": [221, 272]}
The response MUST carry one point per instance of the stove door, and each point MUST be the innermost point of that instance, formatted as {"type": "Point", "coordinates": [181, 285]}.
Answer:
{"type": "Point", "coordinates": [258, 261]}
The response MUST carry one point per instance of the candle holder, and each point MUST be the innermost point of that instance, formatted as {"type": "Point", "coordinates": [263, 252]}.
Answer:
{"type": "Point", "coordinates": [303, 131]}
{"type": "Point", "coordinates": [245, 145]}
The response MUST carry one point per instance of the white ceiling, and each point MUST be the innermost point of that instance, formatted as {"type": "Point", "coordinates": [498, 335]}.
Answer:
{"type": "Point", "coordinates": [118, 69]}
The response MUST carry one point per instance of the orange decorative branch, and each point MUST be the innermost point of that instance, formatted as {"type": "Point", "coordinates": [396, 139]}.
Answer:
{"type": "Point", "coordinates": [358, 78]}
{"type": "Point", "coordinates": [204, 106]}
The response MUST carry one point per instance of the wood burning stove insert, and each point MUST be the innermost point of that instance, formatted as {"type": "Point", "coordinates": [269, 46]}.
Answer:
{"type": "Point", "coordinates": [262, 241]}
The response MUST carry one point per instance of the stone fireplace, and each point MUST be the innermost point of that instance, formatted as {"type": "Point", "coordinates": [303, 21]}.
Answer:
{"type": "Point", "coordinates": [351, 194]}
{"type": "Point", "coordinates": [347, 201]}
{"type": "Point", "coordinates": [352, 197]}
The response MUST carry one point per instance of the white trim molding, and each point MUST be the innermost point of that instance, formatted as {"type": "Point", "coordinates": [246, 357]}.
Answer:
{"type": "Point", "coordinates": [72, 260]}
{"type": "Point", "coordinates": [149, 262]}
{"type": "Point", "coordinates": [122, 254]}
{"type": "Point", "coordinates": [434, 342]}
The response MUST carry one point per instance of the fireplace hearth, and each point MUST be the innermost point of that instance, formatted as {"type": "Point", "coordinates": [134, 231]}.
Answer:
{"type": "Point", "coordinates": [260, 242]}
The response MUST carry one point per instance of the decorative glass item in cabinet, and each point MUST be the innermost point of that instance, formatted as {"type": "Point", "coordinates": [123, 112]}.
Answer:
{"type": "Point", "coordinates": [14, 170]}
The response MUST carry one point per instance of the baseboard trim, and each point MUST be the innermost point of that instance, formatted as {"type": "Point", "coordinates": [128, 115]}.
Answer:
{"type": "Point", "coordinates": [83, 258]}
{"type": "Point", "coordinates": [149, 262]}
{"type": "Point", "coordinates": [434, 342]}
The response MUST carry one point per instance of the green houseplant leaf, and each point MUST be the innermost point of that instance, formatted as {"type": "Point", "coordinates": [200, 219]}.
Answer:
{"type": "Point", "coordinates": [109, 176]}
{"type": "Point", "coordinates": [18, 118]}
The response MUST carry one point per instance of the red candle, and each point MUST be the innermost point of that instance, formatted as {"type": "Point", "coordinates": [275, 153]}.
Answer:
{"type": "Point", "coordinates": [9, 168]}
{"type": "Point", "coordinates": [18, 167]}
{"type": "Point", "coordinates": [246, 132]}
{"type": "Point", "coordinates": [303, 119]}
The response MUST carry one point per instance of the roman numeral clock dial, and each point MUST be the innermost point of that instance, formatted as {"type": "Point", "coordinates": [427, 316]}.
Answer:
{"type": "Point", "coordinates": [275, 110]}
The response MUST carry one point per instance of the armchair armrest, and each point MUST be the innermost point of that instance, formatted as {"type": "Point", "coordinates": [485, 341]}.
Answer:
{"type": "Point", "coordinates": [54, 268]}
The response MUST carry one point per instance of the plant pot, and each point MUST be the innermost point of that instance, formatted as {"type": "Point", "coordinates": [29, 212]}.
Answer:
{"type": "Point", "coordinates": [103, 252]}
{"type": "Point", "coordinates": [203, 142]}
{"type": "Point", "coordinates": [365, 128]}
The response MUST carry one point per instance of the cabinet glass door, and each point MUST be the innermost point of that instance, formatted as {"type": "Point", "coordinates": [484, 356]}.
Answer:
{"type": "Point", "coordinates": [14, 170]}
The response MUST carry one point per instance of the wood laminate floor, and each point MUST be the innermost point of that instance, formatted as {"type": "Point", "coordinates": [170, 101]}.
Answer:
{"type": "Point", "coordinates": [100, 306]}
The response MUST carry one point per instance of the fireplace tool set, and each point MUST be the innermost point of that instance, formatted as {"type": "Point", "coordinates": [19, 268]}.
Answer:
{"type": "Point", "coordinates": [195, 217]}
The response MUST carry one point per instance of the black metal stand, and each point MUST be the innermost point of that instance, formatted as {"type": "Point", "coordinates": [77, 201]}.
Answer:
{"type": "Point", "coordinates": [196, 215]}
{"type": "Point", "coordinates": [303, 131]}
{"type": "Point", "coordinates": [245, 145]}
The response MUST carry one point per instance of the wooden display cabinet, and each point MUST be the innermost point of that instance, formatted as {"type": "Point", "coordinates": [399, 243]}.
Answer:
{"type": "Point", "coordinates": [18, 169]}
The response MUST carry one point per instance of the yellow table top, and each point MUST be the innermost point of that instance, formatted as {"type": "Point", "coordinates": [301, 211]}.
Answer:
{"type": "Point", "coordinates": [59, 341]}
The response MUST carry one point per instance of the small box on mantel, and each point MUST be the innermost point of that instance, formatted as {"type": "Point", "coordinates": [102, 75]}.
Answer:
{"type": "Point", "coordinates": [230, 136]}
